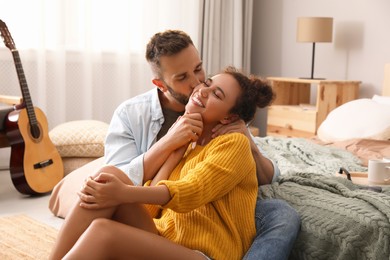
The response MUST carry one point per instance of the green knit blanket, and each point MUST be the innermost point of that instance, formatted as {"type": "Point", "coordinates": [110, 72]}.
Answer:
{"type": "Point", "coordinates": [301, 155]}
{"type": "Point", "coordinates": [339, 220]}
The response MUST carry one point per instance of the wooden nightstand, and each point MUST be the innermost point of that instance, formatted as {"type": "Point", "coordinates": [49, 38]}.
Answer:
{"type": "Point", "coordinates": [291, 113]}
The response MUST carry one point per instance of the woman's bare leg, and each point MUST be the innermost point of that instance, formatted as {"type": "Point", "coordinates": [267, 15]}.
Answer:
{"type": "Point", "coordinates": [79, 219]}
{"type": "Point", "coordinates": [107, 239]}
{"type": "Point", "coordinates": [76, 222]}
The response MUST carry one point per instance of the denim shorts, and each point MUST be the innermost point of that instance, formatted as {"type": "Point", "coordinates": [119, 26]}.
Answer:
{"type": "Point", "coordinates": [206, 257]}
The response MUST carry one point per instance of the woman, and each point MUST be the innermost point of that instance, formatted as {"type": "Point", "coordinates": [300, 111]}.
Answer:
{"type": "Point", "coordinates": [207, 204]}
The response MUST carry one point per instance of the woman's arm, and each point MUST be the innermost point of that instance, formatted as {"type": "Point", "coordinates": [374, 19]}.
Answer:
{"type": "Point", "coordinates": [169, 165]}
{"type": "Point", "coordinates": [264, 167]}
{"type": "Point", "coordinates": [212, 173]}
{"type": "Point", "coordinates": [108, 190]}
{"type": "Point", "coordinates": [187, 129]}
{"type": "Point", "coordinates": [226, 163]}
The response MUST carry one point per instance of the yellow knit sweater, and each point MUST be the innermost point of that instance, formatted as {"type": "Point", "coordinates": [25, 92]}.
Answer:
{"type": "Point", "coordinates": [213, 190]}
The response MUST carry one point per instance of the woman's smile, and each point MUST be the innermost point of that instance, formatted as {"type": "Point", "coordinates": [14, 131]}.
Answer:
{"type": "Point", "coordinates": [197, 101]}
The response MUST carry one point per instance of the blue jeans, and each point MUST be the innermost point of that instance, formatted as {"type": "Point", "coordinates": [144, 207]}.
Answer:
{"type": "Point", "coordinates": [277, 227]}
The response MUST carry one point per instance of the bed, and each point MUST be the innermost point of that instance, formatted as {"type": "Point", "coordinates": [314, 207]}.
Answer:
{"type": "Point", "coordinates": [340, 219]}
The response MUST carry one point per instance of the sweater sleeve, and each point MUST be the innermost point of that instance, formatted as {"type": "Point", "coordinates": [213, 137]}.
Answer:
{"type": "Point", "coordinates": [227, 160]}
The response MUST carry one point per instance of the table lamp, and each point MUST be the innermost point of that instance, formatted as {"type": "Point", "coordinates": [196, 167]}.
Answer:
{"type": "Point", "coordinates": [314, 29]}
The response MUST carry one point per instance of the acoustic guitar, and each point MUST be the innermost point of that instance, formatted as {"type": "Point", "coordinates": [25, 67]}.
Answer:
{"type": "Point", "coordinates": [35, 164]}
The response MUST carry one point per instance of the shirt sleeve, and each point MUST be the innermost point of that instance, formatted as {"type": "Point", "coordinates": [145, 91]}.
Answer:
{"type": "Point", "coordinates": [120, 147]}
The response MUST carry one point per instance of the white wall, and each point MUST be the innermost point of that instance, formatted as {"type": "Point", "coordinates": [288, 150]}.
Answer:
{"type": "Point", "coordinates": [360, 47]}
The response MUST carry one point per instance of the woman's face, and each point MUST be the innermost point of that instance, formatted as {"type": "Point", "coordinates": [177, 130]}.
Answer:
{"type": "Point", "coordinates": [214, 98]}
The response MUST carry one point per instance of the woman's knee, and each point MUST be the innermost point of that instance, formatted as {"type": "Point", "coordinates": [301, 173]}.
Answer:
{"type": "Point", "coordinates": [103, 227]}
{"type": "Point", "coordinates": [100, 224]}
{"type": "Point", "coordinates": [116, 172]}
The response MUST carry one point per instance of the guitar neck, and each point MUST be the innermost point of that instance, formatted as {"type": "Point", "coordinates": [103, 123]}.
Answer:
{"type": "Point", "coordinates": [24, 88]}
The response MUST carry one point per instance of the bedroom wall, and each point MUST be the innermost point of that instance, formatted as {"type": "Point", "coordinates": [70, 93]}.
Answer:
{"type": "Point", "coordinates": [359, 50]}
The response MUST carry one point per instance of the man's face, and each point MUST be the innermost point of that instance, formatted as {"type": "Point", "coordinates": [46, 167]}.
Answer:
{"type": "Point", "coordinates": [181, 73]}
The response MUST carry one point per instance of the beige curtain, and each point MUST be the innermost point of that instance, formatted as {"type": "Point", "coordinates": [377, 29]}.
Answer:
{"type": "Point", "coordinates": [82, 58]}
{"type": "Point", "coordinates": [226, 34]}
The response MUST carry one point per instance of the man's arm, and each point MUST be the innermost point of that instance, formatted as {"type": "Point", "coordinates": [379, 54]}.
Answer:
{"type": "Point", "coordinates": [264, 167]}
{"type": "Point", "coordinates": [123, 146]}
{"type": "Point", "coordinates": [127, 148]}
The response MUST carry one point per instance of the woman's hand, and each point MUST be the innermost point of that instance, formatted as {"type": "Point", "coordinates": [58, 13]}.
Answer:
{"type": "Point", "coordinates": [104, 191]}
{"type": "Point", "coordinates": [237, 126]}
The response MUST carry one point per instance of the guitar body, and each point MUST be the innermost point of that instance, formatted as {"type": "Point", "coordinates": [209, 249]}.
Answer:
{"type": "Point", "coordinates": [35, 164]}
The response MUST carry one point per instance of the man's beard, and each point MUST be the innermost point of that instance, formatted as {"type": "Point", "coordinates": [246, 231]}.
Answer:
{"type": "Point", "coordinates": [182, 99]}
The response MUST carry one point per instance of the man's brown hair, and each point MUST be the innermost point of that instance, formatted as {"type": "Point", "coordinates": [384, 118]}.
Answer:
{"type": "Point", "coordinates": [165, 43]}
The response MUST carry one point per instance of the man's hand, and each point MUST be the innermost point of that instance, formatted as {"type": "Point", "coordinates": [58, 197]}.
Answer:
{"type": "Point", "coordinates": [186, 129]}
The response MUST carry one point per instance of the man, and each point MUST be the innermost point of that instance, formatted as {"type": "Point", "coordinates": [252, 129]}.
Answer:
{"type": "Point", "coordinates": [138, 141]}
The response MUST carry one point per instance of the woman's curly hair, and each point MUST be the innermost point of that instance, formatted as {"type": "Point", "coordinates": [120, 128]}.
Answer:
{"type": "Point", "coordinates": [255, 92]}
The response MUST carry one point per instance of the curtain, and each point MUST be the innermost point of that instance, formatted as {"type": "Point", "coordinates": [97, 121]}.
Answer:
{"type": "Point", "coordinates": [226, 34]}
{"type": "Point", "coordinates": [82, 58]}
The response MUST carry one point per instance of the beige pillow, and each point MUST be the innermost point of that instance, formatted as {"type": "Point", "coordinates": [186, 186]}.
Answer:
{"type": "Point", "coordinates": [360, 118]}
{"type": "Point", "coordinates": [82, 138]}
{"type": "Point", "coordinates": [73, 163]}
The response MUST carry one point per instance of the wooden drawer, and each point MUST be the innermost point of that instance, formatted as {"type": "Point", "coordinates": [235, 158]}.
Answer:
{"type": "Point", "coordinates": [294, 119]}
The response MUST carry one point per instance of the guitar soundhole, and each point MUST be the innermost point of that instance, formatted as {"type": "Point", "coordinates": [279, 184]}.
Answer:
{"type": "Point", "coordinates": [35, 132]}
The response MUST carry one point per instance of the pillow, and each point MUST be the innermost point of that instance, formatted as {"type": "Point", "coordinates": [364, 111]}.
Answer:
{"type": "Point", "coordinates": [361, 118]}
{"type": "Point", "coordinates": [82, 138]}
{"type": "Point", "coordinates": [381, 99]}
{"type": "Point", "coordinates": [73, 163]}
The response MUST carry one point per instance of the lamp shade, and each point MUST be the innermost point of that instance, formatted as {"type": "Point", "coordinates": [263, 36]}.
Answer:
{"type": "Point", "coordinates": [314, 29]}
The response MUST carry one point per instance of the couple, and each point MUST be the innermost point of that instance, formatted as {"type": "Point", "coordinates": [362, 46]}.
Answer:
{"type": "Point", "coordinates": [210, 194]}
